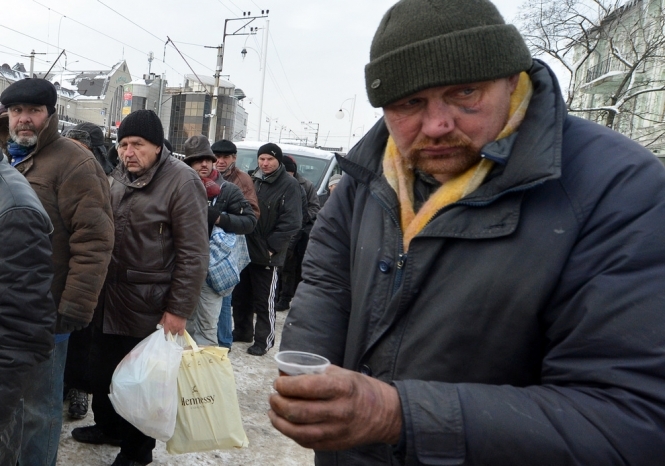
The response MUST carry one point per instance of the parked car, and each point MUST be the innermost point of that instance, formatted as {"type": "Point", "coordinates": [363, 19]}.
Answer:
{"type": "Point", "coordinates": [314, 164]}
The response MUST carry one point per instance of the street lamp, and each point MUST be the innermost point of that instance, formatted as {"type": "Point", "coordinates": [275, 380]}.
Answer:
{"type": "Point", "coordinates": [262, 57]}
{"type": "Point", "coordinates": [340, 115]}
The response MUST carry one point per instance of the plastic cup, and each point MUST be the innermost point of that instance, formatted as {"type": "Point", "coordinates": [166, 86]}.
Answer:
{"type": "Point", "coordinates": [300, 363]}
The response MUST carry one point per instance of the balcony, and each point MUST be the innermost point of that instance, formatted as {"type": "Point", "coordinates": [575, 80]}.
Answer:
{"type": "Point", "coordinates": [603, 77]}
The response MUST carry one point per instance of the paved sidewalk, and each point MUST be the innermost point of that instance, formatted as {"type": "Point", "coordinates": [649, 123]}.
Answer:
{"type": "Point", "coordinates": [254, 377]}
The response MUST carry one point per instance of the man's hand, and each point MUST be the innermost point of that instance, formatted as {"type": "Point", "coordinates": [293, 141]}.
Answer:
{"type": "Point", "coordinates": [336, 410]}
{"type": "Point", "coordinates": [173, 324]}
{"type": "Point", "coordinates": [70, 324]}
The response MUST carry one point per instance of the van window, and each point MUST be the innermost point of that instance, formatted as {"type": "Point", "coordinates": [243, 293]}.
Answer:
{"type": "Point", "coordinates": [311, 168]}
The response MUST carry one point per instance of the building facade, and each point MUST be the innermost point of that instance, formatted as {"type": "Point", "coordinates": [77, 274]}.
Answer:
{"type": "Point", "coordinates": [622, 82]}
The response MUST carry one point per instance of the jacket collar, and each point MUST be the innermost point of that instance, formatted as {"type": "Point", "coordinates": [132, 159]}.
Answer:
{"type": "Point", "coordinates": [530, 157]}
{"type": "Point", "coordinates": [258, 174]}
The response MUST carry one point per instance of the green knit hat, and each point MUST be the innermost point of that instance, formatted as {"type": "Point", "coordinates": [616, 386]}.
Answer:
{"type": "Point", "coordinates": [427, 43]}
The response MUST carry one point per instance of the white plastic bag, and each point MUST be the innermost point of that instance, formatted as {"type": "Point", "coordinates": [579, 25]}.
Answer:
{"type": "Point", "coordinates": [144, 387]}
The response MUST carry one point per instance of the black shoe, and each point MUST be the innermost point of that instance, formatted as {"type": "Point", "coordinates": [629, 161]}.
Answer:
{"type": "Point", "coordinates": [256, 350]}
{"type": "Point", "coordinates": [283, 305]}
{"type": "Point", "coordinates": [78, 404]}
{"type": "Point", "coordinates": [242, 338]}
{"type": "Point", "coordinates": [94, 436]}
{"type": "Point", "coordinates": [122, 460]}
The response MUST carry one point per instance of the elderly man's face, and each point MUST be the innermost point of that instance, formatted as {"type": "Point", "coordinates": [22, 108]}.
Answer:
{"type": "Point", "coordinates": [138, 154]}
{"type": "Point", "coordinates": [224, 161]}
{"type": "Point", "coordinates": [268, 163]}
{"type": "Point", "coordinates": [203, 167]}
{"type": "Point", "coordinates": [25, 123]}
{"type": "Point", "coordinates": [441, 130]}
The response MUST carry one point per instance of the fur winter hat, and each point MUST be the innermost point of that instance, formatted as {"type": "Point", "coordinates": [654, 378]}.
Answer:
{"type": "Point", "coordinates": [197, 148]}
{"type": "Point", "coordinates": [270, 149]}
{"type": "Point", "coordinates": [142, 123]}
{"type": "Point", "coordinates": [428, 43]}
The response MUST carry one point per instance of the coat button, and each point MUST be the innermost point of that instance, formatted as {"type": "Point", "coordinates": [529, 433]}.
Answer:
{"type": "Point", "coordinates": [384, 266]}
{"type": "Point", "coordinates": [366, 370]}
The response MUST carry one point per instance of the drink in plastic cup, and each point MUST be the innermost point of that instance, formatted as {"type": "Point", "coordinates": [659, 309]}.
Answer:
{"type": "Point", "coordinates": [300, 362]}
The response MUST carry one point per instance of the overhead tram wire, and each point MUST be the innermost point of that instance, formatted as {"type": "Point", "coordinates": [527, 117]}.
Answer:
{"type": "Point", "coordinates": [161, 40]}
{"type": "Point", "coordinates": [68, 50]}
{"type": "Point", "coordinates": [232, 12]}
{"type": "Point", "coordinates": [109, 37]}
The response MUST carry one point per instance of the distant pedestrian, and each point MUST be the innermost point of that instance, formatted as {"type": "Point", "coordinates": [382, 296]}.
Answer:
{"type": "Point", "coordinates": [280, 201]}
{"type": "Point", "coordinates": [229, 210]}
{"type": "Point", "coordinates": [333, 181]}
{"type": "Point", "coordinates": [158, 266]}
{"type": "Point", "coordinates": [74, 191]}
{"type": "Point", "coordinates": [226, 153]}
{"type": "Point", "coordinates": [290, 273]}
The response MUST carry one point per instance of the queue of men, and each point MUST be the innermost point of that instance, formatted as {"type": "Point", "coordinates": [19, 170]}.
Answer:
{"type": "Point", "coordinates": [486, 279]}
{"type": "Point", "coordinates": [115, 252]}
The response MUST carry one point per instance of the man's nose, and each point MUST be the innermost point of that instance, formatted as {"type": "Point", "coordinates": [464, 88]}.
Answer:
{"type": "Point", "coordinates": [438, 120]}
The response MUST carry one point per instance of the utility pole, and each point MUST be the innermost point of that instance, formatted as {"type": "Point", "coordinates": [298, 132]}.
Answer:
{"type": "Point", "coordinates": [32, 60]}
{"type": "Point", "coordinates": [316, 131]}
{"type": "Point", "coordinates": [263, 75]}
{"type": "Point", "coordinates": [247, 16]}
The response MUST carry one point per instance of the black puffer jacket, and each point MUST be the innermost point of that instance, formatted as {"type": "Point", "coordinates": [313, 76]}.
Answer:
{"type": "Point", "coordinates": [281, 217]}
{"type": "Point", "coordinates": [27, 310]}
{"type": "Point", "coordinates": [525, 327]}
{"type": "Point", "coordinates": [234, 212]}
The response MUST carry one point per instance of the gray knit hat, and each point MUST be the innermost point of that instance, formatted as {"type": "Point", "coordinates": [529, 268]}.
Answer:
{"type": "Point", "coordinates": [427, 43]}
{"type": "Point", "coordinates": [197, 148]}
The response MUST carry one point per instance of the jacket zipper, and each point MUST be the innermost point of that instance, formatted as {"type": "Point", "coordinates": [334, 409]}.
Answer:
{"type": "Point", "coordinates": [401, 262]}
{"type": "Point", "coordinates": [161, 241]}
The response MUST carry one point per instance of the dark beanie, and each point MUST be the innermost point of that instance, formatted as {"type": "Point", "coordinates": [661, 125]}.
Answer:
{"type": "Point", "coordinates": [290, 165]}
{"type": "Point", "coordinates": [224, 146]}
{"type": "Point", "coordinates": [271, 149]}
{"type": "Point", "coordinates": [95, 132]}
{"type": "Point", "coordinates": [142, 123]}
{"type": "Point", "coordinates": [31, 91]}
{"type": "Point", "coordinates": [427, 43]}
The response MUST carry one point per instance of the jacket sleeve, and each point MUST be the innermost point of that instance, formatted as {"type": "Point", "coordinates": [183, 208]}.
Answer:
{"type": "Point", "coordinates": [321, 305]}
{"type": "Point", "coordinates": [247, 188]}
{"type": "Point", "coordinates": [289, 219]}
{"type": "Point", "coordinates": [188, 211]}
{"type": "Point", "coordinates": [239, 216]}
{"type": "Point", "coordinates": [27, 311]}
{"type": "Point", "coordinates": [85, 206]}
{"type": "Point", "coordinates": [313, 205]}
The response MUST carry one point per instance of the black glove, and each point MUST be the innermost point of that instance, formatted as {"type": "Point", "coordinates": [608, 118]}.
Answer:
{"type": "Point", "coordinates": [69, 324]}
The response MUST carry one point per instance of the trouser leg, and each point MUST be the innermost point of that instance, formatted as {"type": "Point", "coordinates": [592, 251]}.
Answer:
{"type": "Point", "coordinates": [264, 282]}
{"type": "Point", "coordinates": [243, 314]}
{"type": "Point", "coordinates": [225, 324]}
{"type": "Point", "coordinates": [135, 444]}
{"type": "Point", "coordinates": [77, 367]}
{"type": "Point", "coordinates": [202, 325]}
{"type": "Point", "coordinates": [287, 278]}
{"type": "Point", "coordinates": [43, 410]}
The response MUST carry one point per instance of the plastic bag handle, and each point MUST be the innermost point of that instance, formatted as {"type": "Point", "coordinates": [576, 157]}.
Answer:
{"type": "Point", "coordinates": [190, 342]}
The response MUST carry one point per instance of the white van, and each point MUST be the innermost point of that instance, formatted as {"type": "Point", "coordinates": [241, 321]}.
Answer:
{"type": "Point", "coordinates": [314, 164]}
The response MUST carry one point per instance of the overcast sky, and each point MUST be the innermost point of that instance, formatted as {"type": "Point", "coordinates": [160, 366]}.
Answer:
{"type": "Point", "coordinates": [317, 50]}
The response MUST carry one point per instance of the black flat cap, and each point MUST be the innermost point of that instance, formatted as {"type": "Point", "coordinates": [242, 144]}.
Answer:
{"type": "Point", "coordinates": [30, 91]}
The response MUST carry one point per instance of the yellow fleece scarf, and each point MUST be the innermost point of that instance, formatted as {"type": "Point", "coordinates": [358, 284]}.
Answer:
{"type": "Point", "coordinates": [401, 178]}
